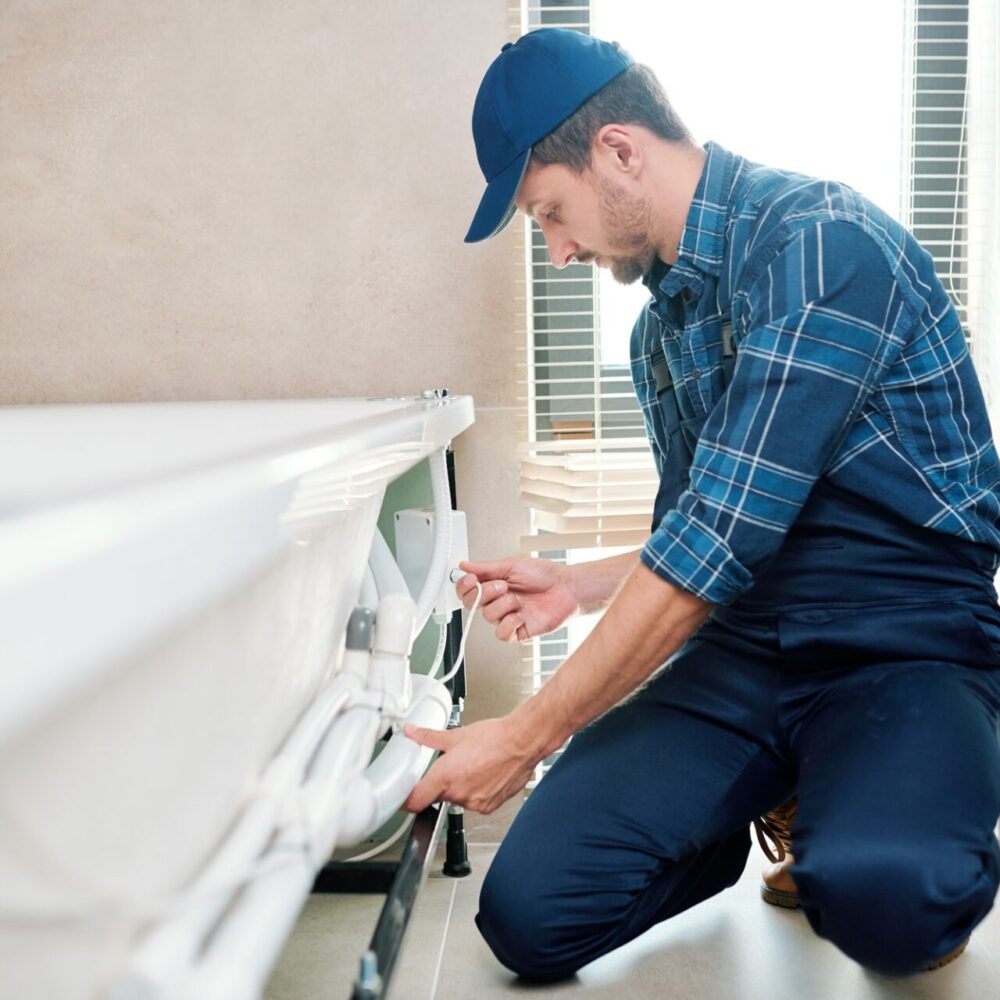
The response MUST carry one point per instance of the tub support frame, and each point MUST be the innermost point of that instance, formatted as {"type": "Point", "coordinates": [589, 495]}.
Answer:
{"type": "Point", "coordinates": [400, 881]}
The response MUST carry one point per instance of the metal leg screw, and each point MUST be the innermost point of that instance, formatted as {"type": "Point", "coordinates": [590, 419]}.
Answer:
{"type": "Point", "coordinates": [369, 984]}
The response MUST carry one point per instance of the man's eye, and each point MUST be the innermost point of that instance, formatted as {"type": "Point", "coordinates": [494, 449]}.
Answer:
{"type": "Point", "coordinates": [551, 215]}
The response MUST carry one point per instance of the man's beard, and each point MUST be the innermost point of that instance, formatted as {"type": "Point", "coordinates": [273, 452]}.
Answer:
{"type": "Point", "coordinates": [627, 221]}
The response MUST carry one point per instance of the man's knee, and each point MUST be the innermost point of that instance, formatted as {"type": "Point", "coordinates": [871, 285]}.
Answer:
{"type": "Point", "coordinates": [894, 907]}
{"type": "Point", "coordinates": [518, 927]}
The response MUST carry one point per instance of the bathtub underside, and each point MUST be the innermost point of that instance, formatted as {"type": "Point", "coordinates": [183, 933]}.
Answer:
{"type": "Point", "coordinates": [113, 798]}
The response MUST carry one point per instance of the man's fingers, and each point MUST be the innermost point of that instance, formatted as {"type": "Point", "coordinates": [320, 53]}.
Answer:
{"type": "Point", "coordinates": [508, 627]}
{"type": "Point", "coordinates": [466, 590]}
{"type": "Point", "coordinates": [425, 793]}
{"type": "Point", "coordinates": [436, 739]}
{"type": "Point", "coordinates": [498, 609]}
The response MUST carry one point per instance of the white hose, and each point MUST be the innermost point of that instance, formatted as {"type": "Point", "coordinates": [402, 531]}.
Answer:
{"type": "Point", "coordinates": [437, 572]}
{"type": "Point", "coordinates": [439, 652]}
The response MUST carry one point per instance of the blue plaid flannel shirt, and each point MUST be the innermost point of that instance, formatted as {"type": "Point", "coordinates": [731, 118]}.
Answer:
{"type": "Point", "coordinates": [851, 363]}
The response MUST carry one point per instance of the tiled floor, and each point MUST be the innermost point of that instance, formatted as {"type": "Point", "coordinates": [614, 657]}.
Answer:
{"type": "Point", "coordinates": [732, 947]}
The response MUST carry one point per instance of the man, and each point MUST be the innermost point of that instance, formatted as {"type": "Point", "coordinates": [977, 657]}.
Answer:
{"type": "Point", "coordinates": [819, 573]}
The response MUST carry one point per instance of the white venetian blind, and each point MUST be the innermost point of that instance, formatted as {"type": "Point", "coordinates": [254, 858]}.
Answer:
{"type": "Point", "coordinates": [951, 160]}
{"type": "Point", "coordinates": [983, 117]}
{"type": "Point", "coordinates": [936, 166]}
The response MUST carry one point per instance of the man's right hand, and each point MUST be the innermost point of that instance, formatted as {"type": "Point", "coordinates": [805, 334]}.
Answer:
{"type": "Point", "coordinates": [522, 597]}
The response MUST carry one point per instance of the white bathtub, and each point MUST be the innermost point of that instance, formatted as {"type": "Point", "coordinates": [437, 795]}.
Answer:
{"type": "Point", "coordinates": [174, 584]}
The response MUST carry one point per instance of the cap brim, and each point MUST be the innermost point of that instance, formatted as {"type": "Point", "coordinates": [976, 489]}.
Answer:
{"type": "Point", "coordinates": [497, 206]}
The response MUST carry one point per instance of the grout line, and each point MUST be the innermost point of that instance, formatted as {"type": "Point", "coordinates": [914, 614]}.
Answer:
{"type": "Point", "coordinates": [976, 943]}
{"type": "Point", "coordinates": [444, 941]}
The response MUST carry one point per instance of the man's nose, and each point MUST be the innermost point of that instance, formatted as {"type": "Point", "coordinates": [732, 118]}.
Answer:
{"type": "Point", "coordinates": [561, 251]}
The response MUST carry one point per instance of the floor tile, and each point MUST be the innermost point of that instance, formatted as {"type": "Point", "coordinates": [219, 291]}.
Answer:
{"type": "Point", "coordinates": [988, 935]}
{"type": "Point", "coordinates": [416, 970]}
{"type": "Point", "coordinates": [492, 828]}
{"type": "Point", "coordinates": [321, 957]}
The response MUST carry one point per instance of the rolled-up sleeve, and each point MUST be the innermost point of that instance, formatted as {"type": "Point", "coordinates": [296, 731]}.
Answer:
{"type": "Point", "coordinates": [825, 319]}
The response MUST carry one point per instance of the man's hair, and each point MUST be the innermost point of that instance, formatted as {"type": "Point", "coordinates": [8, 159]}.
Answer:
{"type": "Point", "coordinates": [635, 97]}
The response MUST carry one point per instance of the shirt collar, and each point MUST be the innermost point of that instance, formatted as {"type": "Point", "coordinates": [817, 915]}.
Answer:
{"type": "Point", "coordinates": [703, 239]}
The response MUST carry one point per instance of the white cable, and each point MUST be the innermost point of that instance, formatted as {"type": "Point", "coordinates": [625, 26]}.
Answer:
{"type": "Point", "coordinates": [386, 844]}
{"type": "Point", "coordinates": [465, 635]}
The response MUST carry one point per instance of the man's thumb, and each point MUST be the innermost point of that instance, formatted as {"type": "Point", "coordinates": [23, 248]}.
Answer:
{"type": "Point", "coordinates": [495, 569]}
{"type": "Point", "coordinates": [436, 739]}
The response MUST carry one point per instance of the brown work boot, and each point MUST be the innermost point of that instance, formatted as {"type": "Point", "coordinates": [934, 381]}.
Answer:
{"type": "Point", "coordinates": [777, 886]}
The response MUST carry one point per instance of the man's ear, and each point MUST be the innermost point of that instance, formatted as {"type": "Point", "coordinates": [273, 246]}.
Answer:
{"type": "Point", "coordinates": [619, 147]}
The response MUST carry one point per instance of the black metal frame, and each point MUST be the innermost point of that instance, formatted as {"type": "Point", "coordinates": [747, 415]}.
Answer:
{"type": "Point", "coordinates": [400, 881]}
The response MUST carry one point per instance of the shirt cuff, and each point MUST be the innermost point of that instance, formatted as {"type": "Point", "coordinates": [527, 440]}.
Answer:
{"type": "Point", "coordinates": [692, 556]}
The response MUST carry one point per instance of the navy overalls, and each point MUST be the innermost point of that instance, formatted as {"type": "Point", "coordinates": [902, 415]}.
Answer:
{"type": "Point", "coordinates": [860, 671]}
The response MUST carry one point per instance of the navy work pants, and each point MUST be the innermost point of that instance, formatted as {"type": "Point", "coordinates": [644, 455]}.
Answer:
{"type": "Point", "coordinates": [882, 716]}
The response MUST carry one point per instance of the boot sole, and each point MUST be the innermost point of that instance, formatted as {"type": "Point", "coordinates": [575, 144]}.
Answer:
{"type": "Point", "coordinates": [779, 897]}
{"type": "Point", "coordinates": [947, 959]}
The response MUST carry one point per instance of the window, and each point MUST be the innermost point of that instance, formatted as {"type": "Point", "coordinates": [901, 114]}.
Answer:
{"type": "Point", "coordinates": [936, 207]}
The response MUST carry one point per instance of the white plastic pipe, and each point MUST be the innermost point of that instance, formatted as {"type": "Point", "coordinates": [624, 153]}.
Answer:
{"type": "Point", "coordinates": [174, 943]}
{"type": "Point", "coordinates": [389, 672]}
{"type": "Point", "coordinates": [385, 570]}
{"type": "Point", "coordinates": [243, 949]}
{"type": "Point", "coordinates": [390, 778]}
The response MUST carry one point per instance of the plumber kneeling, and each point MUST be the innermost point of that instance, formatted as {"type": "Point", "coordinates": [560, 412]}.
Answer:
{"type": "Point", "coordinates": [807, 640]}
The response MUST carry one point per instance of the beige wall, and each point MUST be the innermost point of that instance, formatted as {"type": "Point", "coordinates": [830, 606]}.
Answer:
{"type": "Point", "coordinates": [237, 199]}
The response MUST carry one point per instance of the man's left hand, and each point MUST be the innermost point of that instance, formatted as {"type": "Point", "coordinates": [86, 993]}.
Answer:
{"type": "Point", "coordinates": [483, 766]}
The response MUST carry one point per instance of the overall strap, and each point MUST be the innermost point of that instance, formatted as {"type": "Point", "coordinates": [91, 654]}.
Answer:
{"type": "Point", "coordinates": [661, 370]}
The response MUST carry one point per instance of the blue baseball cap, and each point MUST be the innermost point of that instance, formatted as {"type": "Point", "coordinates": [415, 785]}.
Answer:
{"type": "Point", "coordinates": [531, 88]}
